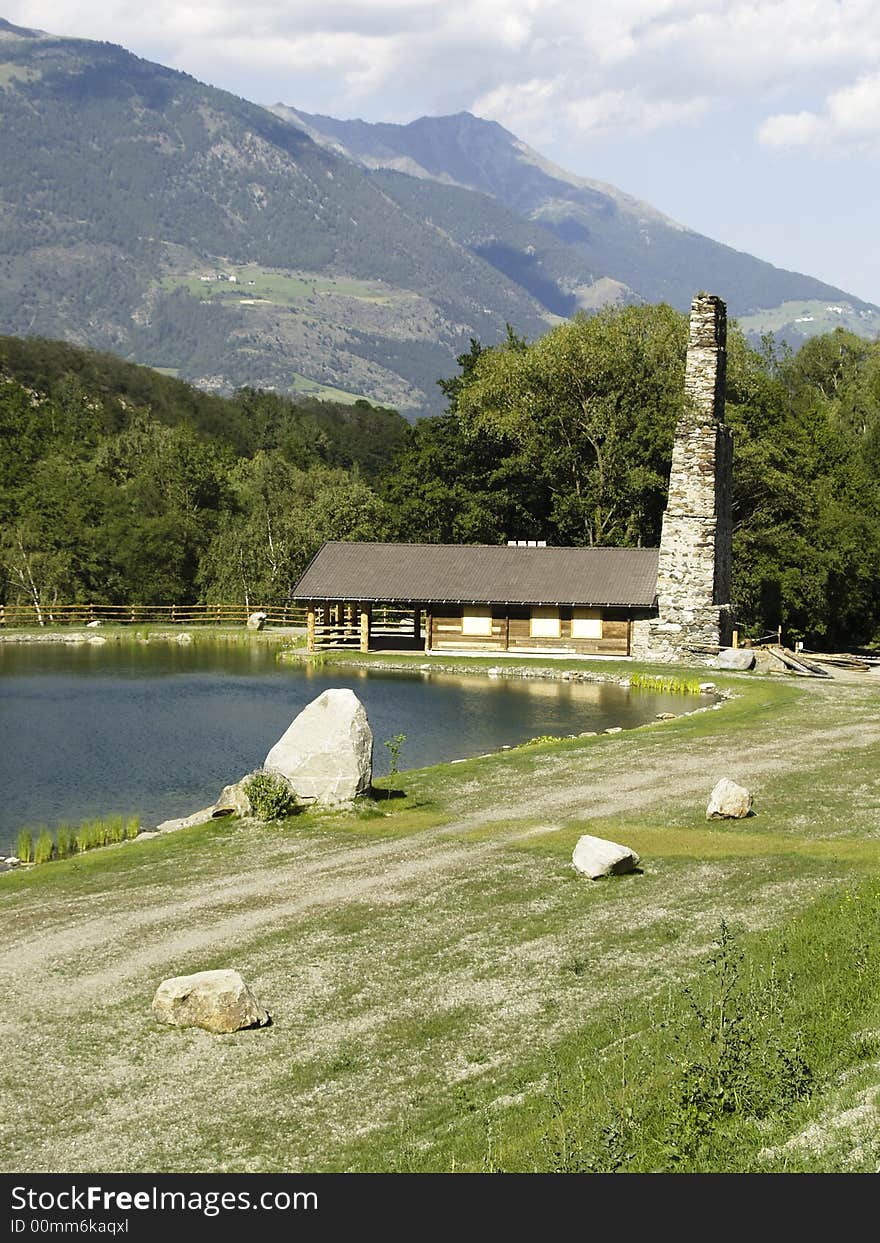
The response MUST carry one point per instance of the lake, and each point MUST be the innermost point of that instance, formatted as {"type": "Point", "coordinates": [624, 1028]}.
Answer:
{"type": "Point", "coordinates": [157, 730]}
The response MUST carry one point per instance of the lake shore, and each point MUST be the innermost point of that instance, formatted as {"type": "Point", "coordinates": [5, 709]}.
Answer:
{"type": "Point", "coordinates": [426, 959]}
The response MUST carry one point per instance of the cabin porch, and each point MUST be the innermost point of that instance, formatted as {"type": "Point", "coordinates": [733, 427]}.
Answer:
{"type": "Point", "coordinates": [434, 626]}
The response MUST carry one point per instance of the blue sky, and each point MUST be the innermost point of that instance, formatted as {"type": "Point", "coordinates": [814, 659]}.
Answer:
{"type": "Point", "coordinates": [756, 122]}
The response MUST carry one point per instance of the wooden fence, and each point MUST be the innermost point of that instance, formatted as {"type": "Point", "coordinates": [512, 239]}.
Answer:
{"type": "Point", "coordinates": [148, 614]}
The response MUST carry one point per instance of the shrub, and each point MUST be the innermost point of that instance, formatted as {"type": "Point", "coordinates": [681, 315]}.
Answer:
{"type": "Point", "coordinates": [44, 847]}
{"type": "Point", "coordinates": [116, 829]}
{"type": "Point", "coordinates": [271, 795]}
{"type": "Point", "coordinates": [24, 848]}
{"type": "Point", "coordinates": [132, 827]}
{"type": "Point", "coordinates": [63, 841]}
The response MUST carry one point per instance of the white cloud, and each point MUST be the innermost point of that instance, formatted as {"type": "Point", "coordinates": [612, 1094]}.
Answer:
{"type": "Point", "coordinates": [850, 122]}
{"type": "Point", "coordinates": [542, 67]}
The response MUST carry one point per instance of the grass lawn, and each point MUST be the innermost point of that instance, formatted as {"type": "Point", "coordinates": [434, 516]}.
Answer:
{"type": "Point", "coordinates": [448, 995]}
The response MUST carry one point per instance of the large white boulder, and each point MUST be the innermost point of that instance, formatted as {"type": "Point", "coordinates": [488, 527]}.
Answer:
{"type": "Point", "coordinates": [595, 857]}
{"type": "Point", "coordinates": [728, 801]}
{"type": "Point", "coordinates": [218, 1001]}
{"type": "Point", "coordinates": [327, 752]}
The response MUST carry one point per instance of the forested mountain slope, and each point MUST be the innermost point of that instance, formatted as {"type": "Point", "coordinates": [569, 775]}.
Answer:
{"type": "Point", "coordinates": [144, 212]}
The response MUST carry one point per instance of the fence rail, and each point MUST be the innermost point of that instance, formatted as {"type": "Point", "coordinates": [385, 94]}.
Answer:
{"type": "Point", "coordinates": [148, 614]}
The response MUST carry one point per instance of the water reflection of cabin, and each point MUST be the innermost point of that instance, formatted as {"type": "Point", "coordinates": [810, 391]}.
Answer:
{"type": "Point", "coordinates": [443, 597]}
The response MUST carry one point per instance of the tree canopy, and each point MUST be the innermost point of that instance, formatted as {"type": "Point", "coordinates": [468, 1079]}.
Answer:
{"type": "Point", "coordinates": [120, 485]}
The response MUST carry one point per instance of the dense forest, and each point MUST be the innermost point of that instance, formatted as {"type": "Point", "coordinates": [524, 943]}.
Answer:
{"type": "Point", "coordinates": [119, 484]}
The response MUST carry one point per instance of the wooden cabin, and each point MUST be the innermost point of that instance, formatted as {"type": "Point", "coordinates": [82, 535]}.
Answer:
{"type": "Point", "coordinates": [477, 597]}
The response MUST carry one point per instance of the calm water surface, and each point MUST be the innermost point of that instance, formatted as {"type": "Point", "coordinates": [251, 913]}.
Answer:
{"type": "Point", "coordinates": [157, 730]}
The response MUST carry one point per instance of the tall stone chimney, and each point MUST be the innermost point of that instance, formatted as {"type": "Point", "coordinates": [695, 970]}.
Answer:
{"type": "Point", "coordinates": [693, 578]}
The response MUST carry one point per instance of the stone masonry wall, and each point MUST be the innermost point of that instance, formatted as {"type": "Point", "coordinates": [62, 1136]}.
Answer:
{"type": "Point", "coordinates": [693, 578]}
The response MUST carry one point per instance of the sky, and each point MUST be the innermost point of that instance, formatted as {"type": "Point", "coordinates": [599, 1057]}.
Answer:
{"type": "Point", "coordinates": [756, 122]}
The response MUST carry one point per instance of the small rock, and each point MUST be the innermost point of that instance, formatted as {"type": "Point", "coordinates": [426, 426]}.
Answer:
{"type": "Point", "coordinates": [233, 801]}
{"type": "Point", "coordinates": [587, 733]}
{"type": "Point", "coordinates": [97, 640]}
{"type": "Point", "coordinates": [184, 638]}
{"type": "Point", "coordinates": [169, 826]}
{"type": "Point", "coordinates": [257, 621]}
{"type": "Point", "coordinates": [736, 658]}
{"type": "Point", "coordinates": [613, 729]}
{"type": "Point", "coordinates": [91, 625]}
{"type": "Point", "coordinates": [707, 688]}
{"type": "Point", "coordinates": [595, 857]}
{"type": "Point", "coordinates": [13, 861]}
{"type": "Point", "coordinates": [218, 1001]}
{"type": "Point", "coordinates": [665, 716]}
{"type": "Point", "coordinates": [729, 801]}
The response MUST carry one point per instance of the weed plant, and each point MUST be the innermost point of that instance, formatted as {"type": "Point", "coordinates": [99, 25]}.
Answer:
{"type": "Point", "coordinates": [45, 847]}
{"type": "Point", "coordinates": [663, 686]}
{"type": "Point", "coordinates": [24, 847]}
{"type": "Point", "coordinates": [393, 746]}
{"type": "Point", "coordinates": [63, 841]}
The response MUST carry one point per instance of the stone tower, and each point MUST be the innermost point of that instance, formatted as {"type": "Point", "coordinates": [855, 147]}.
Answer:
{"type": "Point", "coordinates": [693, 577]}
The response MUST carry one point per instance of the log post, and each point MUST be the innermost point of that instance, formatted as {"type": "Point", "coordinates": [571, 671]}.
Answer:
{"type": "Point", "coordinates": [506, 629]}
{"type": "Point", "coordinates": [310, 626]}
{"type": "Point", "coordinates": [429, 630]}
{"type": "Point", "coordinates": [365, 627]}
{"type": "Point", "coordinates": [417, 623]}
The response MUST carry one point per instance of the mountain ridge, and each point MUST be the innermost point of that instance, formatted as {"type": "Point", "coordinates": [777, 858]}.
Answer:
{"type": "Point", "coordinates": [184, 227]}
{"type": "Point", "coordinates": [566, 203]}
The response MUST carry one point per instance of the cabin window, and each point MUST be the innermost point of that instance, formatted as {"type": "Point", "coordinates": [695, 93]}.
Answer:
{"type": "Point", "coordinates": [544, 624]}
{"type": "Point", "coordinates": [586, 624]}
{"type": "Point", "coordinates": [476, 619]}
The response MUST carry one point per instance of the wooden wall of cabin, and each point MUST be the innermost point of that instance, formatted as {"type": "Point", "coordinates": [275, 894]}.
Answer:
{"type": "Point", "coordinates": [511, 631]}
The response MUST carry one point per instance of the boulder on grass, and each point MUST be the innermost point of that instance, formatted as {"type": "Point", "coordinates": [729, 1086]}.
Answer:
{"type": "Point", "coordinates": [257, 620]}
{"type": "Point", "coordinates": [233, 801]}
{"type": "Point", "coordinates": [595, 857]}
{"type": "Point", "coordinates": [729, 801]}
{"type": "Point", "coordinates": [327, 752]}
{"type": "Point", "coordinates": [218, 1001]}
{"type": "Point", "coordinates": [736, 658]}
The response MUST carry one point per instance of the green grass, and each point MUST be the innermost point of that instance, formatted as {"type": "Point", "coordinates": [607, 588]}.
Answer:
{"type": "Point", "coordinates": [814, 317]}
{"type": "Point", "coordinates": [324, 392]}
{"type": "Point", "coordinates": [448, 995]}
{"type": "Point", "coordinates": [279, 288]}
{"type": "Point", "coordinates": [736, 1071]}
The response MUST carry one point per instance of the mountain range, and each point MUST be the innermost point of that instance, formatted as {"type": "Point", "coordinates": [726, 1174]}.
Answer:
{"type": "Point", "coordinates": [178, 225]}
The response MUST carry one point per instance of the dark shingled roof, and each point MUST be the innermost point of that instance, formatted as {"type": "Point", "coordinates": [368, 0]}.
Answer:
{"type": "Point", "coordinates": [481, 574]}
